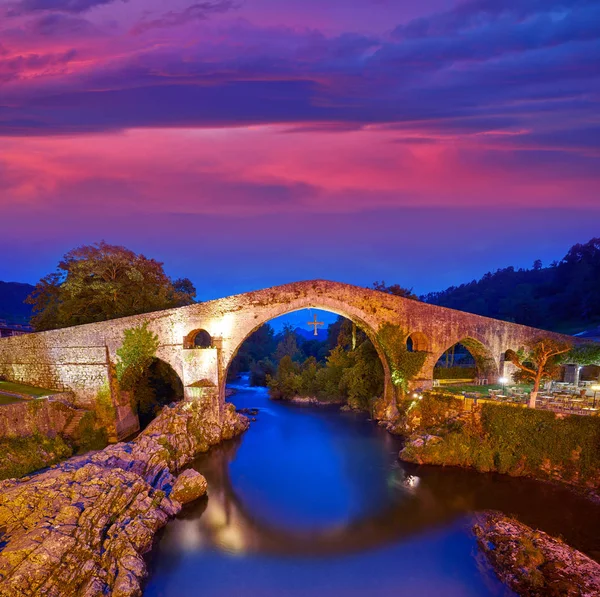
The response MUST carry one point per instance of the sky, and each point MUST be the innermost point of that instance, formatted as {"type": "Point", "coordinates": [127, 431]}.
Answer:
{"type": "Point", "coordinates": [256, 142]}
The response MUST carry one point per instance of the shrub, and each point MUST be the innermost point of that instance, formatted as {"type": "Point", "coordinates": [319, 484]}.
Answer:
{"type": "Point", "coordinates": [24, 455]}
{"type": "Point", "coordinates": [508, 440]}
{"type": "Point", "coordinates": [89, 435]}
{"type": "Point", "coordinates": [455, 373]}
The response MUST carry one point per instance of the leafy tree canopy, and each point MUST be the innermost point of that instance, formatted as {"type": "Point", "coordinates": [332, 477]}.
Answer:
{"type": "Point", "coordinates": [540, 360]}
{"type": "Point", "coordinates": [101, 281]}
{"type": "Point", "coordinates": [396, 290]}
{"type": "Point", "coordinates": [584, 354]}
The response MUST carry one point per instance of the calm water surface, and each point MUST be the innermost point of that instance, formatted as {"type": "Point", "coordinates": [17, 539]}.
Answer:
{"type": "Point", "coordinates": [313, 502]}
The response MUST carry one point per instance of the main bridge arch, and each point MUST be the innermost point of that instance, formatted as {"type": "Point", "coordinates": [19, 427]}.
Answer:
{"type": "Point", "coordinates": [359, 317]}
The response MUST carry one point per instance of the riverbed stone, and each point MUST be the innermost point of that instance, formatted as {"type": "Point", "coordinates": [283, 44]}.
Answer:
{"type": "Point", "coordinates": [189, 486]}
{"type": "Point", "coordinates": [82, 527]}
{"type": "Point", "coordinates": [532, 563]}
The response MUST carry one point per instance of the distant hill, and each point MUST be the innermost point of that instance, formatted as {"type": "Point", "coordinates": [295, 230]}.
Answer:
{"type": "Point", "coordinates": [564, 297]}
{"type": "Point", "coordinates": [12, 308]}
{"type": "Point", "coordinates": [309, 334]}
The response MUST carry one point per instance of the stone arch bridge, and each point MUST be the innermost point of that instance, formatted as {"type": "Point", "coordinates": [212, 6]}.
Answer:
{"type": "Point", "coordinates": [199, 342]}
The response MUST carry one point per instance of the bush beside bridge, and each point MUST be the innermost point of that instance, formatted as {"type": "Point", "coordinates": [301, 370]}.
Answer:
{"type": "Point", "coordinates": [504, 439]}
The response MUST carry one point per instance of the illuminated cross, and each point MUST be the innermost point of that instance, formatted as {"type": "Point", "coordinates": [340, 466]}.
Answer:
{"type": "Point", "coordinates": [316, 324]}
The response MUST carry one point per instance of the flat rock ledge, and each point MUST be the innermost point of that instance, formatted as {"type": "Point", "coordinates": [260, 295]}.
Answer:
{"type": "Point", "coordinates": [532, 563]}
{"type": "Point", "coordinates": [81, 528]}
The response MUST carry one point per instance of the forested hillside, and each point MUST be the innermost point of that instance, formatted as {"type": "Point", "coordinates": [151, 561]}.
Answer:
{"type": "Point", "coordinates": [564, 296]}
{"type": "Point", "coordinates": [12, 307]}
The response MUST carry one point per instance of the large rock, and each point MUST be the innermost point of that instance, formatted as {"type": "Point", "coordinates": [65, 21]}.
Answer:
{"type": "Point", "coordinates": [82, 527]}
{"type": "Point", "coordinates": [532, 563]}
{"type": "Point", "coordinates": [190, 486]}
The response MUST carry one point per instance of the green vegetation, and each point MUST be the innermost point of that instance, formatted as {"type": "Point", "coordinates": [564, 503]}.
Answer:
{"type": "Point", "coordinates": [135, 355]}
{"type": "Point", "coordinates": [454, 372]}
{"type": "Point", "coordinates": [483, 390]}
{"type": "Point", "coordinates": [101, 281]}
{"type": "Point", "coordinates": [9, 399]}
{"type": "Point", "coordinates": [538, 361]}
{"type": "Point", "coordinates": [151, 382]}
{"type": "Point", "coordinates": [19, 388]}
{"type": "Point", "coordinates": [23, 455]}
{"type": "Point", "coordinates": [89, 435]}
{"type": "Point", "coordinates": [583, 354]}
{"type": "Point", "coordinates": [404, 365]}
{"type": "Point", "coordinates": [352, 372]}
{"type": "Point", "coordinates": [564, 297]}
{"type": "Point", "coordinates": [396, 290]}
{"type": "Point", "coordinates": [506, 439]}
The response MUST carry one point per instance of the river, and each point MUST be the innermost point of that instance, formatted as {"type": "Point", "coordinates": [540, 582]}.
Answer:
{"type": "Point", "coordinates": [311, 501]}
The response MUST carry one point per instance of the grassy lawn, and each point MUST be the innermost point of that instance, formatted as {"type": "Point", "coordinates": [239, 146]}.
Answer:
{"type": "Point", "coordinates": [8, 386]}
{"type": "Point", "coordinates": [9, 399]}
{"type": "Point", "coordinates": [460, 389]}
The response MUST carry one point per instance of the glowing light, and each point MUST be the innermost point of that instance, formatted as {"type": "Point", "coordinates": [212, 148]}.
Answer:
{"type": "Point", "coordinates": [503, 380]}
{"type": "Point", "coordinates": [412, 481]}
{"type": "Point", "coordinates": [223, 327]}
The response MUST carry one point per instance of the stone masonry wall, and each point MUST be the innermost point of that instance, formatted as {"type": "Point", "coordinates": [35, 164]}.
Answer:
{"type": "Point", "coordinates": [47, 417]}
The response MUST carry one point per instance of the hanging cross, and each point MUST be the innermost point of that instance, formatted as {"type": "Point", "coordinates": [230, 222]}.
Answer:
{"type": "Point", "coordinates": [316, 324]}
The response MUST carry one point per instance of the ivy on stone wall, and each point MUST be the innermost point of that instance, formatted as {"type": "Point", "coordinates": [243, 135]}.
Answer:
{"type": "Point", "coordinates": [404, 365]}
{"type": "Point", "coordinates": [135, 355]}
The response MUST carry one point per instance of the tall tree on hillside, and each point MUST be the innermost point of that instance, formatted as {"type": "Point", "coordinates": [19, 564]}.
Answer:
{"type": "Point", "coordinates": [540, 360]}
{"type": "Point", "coordinates": [101, 281]}
{"type": "Point", "coordinates": [288, 345]}
{"type": "Point", "coordinates": [396, 290]}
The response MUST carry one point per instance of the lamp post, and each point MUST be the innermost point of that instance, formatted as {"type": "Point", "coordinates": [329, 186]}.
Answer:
{"type": "Point", "coordinates": [503, 381]}
{"type": "Point", "coordinates": [596, 388]}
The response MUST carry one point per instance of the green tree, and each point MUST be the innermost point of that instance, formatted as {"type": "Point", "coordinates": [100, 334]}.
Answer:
{"type": "Point", "coordinates": [584, 354]}
{"type": "Point", "coordinates": [288, 346]}
{"type": "Point", "coordinates": [260, 371]}
{"type": "Point", "coordinates": [540, 360]}
{"type": "Point", "coordinates": [101, 281]}
{"type": "Point", "coordinates": [396, 290]}
{"type": "Point", "coordinates": [287, 381]}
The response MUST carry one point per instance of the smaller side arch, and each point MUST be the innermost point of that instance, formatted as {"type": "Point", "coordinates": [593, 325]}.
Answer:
{"type": "Point", "coordinates": [199, 338]}
{"type": "Point", "coordinates": [486, 364]}
{"type": "Point", "coordinates": [417, 342]}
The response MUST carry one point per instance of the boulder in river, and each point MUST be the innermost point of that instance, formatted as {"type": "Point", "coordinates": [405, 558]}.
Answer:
{"type": "Point", "coordinates": [189, 486]}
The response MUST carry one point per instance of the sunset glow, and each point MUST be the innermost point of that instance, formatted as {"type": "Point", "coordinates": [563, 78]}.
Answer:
{"type": "Point", "coordinates": [224, 122]}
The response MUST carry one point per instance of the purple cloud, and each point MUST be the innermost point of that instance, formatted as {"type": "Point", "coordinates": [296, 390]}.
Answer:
{"type": "Point", "coordinates": [14, 67]}
{"type": "Point", "coordinates": [200, 11]}
{"type": "Point", "coordinates": [525, 66]}
{"type": "Point", "coordinates": [61, 25]}
{"type": "Point", "coordinates": [70, 6]}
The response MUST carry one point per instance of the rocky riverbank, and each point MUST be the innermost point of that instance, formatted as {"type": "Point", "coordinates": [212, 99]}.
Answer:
{"type": "Point", "coordinates": [532, 563]}
{"type": "Point", "coordinates": [82, 527]}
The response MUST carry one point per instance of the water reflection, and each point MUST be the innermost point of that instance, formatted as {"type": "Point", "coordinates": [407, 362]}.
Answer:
{"type": "Point", "coordinates": [314, 502]}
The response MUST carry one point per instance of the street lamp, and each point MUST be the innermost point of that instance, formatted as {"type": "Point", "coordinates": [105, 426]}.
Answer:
{"type": "Point", "coordinates": [595, 388]}
{"type": "Point", "coordinates": [503, 381]}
